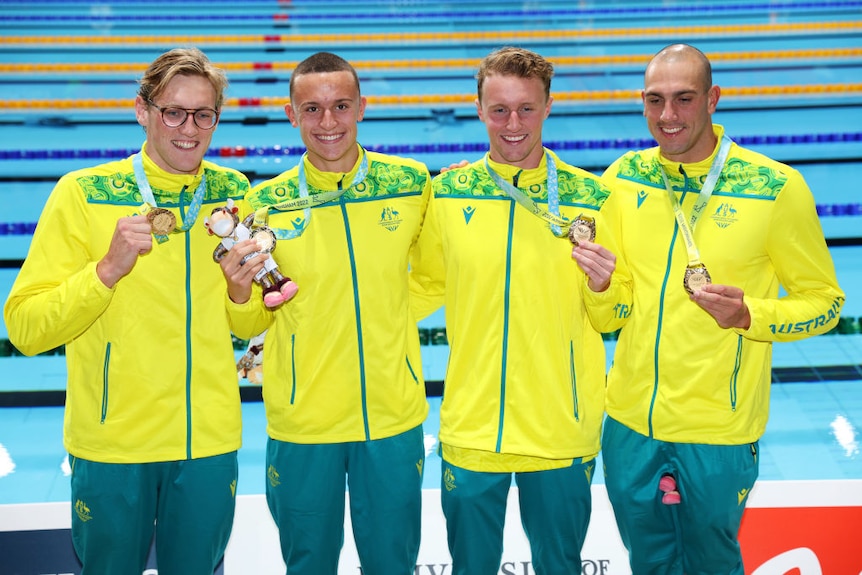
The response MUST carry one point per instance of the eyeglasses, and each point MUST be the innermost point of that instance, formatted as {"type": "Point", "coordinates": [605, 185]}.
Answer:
{"type": "Point", "coordinates": [205, 118]}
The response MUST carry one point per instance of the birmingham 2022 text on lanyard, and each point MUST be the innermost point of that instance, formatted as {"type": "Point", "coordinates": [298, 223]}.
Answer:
{"type": "Point", "coordinates": [305, 201]}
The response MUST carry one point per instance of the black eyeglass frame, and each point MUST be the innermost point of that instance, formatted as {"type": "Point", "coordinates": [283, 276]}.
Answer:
{"type": "Point", "coordinates": [193, 112]}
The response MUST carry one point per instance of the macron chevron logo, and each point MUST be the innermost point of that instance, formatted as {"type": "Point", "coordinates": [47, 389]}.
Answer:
{"type": "Point", "coordinates": [642, 195]}
{"type": "Point", "coordinates": [468, 213]}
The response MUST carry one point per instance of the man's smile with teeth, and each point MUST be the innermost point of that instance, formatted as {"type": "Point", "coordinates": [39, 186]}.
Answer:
{"type": "Point", "coordinates": [514, 139]}
{"type": "Point", "coordinates": [185, 145]}
{"type": "Point", "coordinates": [671, 130]}
{"type": "Point", "coordinates": [328, 137]}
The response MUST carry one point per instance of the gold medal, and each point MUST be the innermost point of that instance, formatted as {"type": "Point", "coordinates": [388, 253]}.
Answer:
{"type": "Point", "coordinates": [265, 239]}
{"type": "Point", "coordinates": [162, 221]}
{"type": "Point", "coordinates": [696, 277]}
{"type": "Point", "coordinates": [582, 229]}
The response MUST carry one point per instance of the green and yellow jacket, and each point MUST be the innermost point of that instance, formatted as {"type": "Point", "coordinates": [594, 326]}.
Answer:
{"type": "Point", "coordinates": [341, 359]}
{"type": "Point", "coordinates": [524, 386]}
{"type": "Point", "coordinates": [151, 366]}
{"type": "Point", "coordinates": [677, 376]}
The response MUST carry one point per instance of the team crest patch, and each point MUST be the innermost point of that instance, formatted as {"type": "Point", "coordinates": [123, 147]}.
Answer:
{"type": "Point", "coordinates": [724, 215]}
{"type": "Point", "coordinates": [272, 475]}
{"type": "Point", "coordinates": [390, 219]}
{"type": "Point", "coordinates": [82, 511]}
{"type": "Point", "coordinates": [448, 479]}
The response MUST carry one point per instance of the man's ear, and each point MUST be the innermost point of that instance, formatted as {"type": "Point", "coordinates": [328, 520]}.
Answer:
{"type": "Point", "coordinates": [291, 114]}
{"type": "Point", "coordinates": [142, 111]}
{"type": "Point", "coordinates": [712, 98]}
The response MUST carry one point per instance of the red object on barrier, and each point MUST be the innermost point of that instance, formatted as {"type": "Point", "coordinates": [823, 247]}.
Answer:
{"type": "Point", "coordinates": [801, 540]}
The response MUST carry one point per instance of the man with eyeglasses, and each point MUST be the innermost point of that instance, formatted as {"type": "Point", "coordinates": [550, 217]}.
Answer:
{"type": "Point", "coordinates": [204, 118]}
{"type": "Point", "coordinates": [120, 271]}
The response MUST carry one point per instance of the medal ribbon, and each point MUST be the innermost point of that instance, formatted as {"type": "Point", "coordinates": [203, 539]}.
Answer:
{"type": "Point", "coordinates": [687, 227]}
{"type": "Point", "coordinates": [552, 214]}
{"type": "Point", "coordinates": [150, 200]}
{"type": "Point", "coordinates": [305, 201]}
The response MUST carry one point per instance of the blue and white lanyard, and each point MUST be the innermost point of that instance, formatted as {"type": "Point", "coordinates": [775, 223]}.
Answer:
{"type": "Point", "coordinates": [149, 199]}
{"type": "Point", "coordinates": [552, 214]}
{"type": "Point", "coordinates": [305, 201]}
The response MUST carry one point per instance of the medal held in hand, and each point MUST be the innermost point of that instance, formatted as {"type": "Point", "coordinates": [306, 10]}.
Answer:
{"type": "Point", "coordinates": [265, 238]}
{"type": "Point", "coordinates": [696, 276]}
{"type": "Point", "coordinates": [582, 229]}
{"type": "Point", "coordinates": [163, 221]}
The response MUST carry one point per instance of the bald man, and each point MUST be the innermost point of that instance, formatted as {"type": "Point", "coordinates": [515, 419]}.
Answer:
{"type": "Point", "coordinates": [700, 234]}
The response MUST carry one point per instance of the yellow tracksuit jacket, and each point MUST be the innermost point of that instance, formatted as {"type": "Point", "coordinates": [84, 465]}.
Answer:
{"type": "Point", "coordinates": [341, 359]}
{"type": "Point", "coordinates": [151, 367]}
{"type": "Point", "coordinates": [526, 373]}
{"type": "Point", "coordinates": [677, 376]}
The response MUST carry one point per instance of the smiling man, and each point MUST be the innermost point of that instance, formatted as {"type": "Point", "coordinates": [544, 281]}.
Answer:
{"type": "Point", "coordinates": [120, 271]}
{"type": "Point", "coordinates": [343, 386]}
{"type": "Point", "coordinates": [703, 233]}
{"type": "Point", "coordinates": [524, 390]}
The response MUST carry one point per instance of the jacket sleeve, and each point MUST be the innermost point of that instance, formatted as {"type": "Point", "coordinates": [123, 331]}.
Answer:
{"type": "Point", "coordinates": [427, 275]}
{"type": "Point", "coordinates": [813, 299]}
{"type": "Point", "coordinates": [251, 318]}
{"type": "Point", "coordinates": [57, 294]}
{"type": "Point", "coordinates": [609, 310]}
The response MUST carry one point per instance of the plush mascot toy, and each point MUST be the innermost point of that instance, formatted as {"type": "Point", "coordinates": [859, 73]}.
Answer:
{"type": "Point", "coordinates": [224, 223]}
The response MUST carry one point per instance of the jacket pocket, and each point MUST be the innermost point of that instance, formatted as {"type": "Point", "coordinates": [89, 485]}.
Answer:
{"type": "Point", "coordinates": [574, 381]}
{"type": "Point", "coordinates": [105, 387]}
{"type": "Point", "coordinates": [735, 375]}
{"type": "Point", "coordinates": [410, 369]}
{"type": "Point", "coordinates": [292, 368]}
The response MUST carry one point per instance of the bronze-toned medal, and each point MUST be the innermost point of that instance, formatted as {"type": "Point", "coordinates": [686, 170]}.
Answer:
{"type": "Point", "coordinates": [163, 221]}
{"type": "Point", "coordinates": [582, 229]}
{"type": "Point", "coordinates": [696, 276]}
{"type": "Point", "coordinates": [265, 238]}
